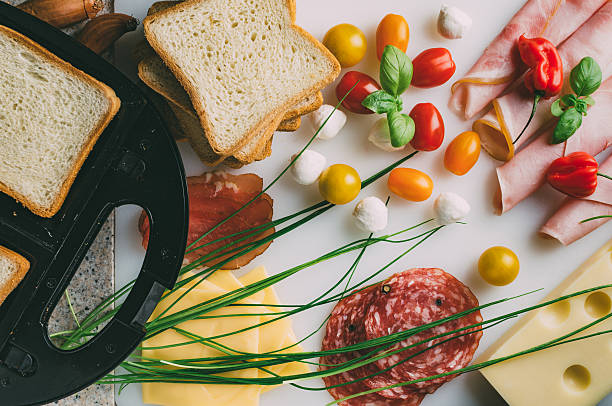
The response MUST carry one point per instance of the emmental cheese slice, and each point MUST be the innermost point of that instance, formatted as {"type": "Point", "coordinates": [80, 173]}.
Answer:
{"type": "Point", "coordinates": [270, 337]}
{"type": "Point", "coordinates": [573, 374]}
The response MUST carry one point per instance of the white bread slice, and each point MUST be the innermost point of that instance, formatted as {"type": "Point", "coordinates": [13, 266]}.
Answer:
{"type": "Point", "coordinates": [242, 63]}
{"type": "Point", "coordinates": [13, 267]}
{"type": "Point", "coordinates": [51, 115]}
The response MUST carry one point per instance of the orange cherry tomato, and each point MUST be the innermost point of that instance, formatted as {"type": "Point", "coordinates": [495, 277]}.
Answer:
{"type": "Point", "coordinates": [410, 184]}
{"type": "Point", "coordinates": [462, 153]}
{"type": "Point", "coordinates": [392, 30]}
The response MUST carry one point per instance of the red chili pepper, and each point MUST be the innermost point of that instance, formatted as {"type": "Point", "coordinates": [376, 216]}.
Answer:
{"type": "Point", "coordinates": [545, 77]}
{"type": "Point", "coordinates": [574, 174]}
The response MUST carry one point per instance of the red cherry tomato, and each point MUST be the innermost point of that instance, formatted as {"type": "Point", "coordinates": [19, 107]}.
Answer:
{"type": "Point", "coordinates": [432, 67]}
{"type": "Point", "coordinates": [365, 86]}
{"type": "Point", "coordinates": [429, 127]}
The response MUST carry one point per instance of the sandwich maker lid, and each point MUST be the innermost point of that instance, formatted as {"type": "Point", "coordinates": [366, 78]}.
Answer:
{"type": "Point", "coordinates": [135, 161]}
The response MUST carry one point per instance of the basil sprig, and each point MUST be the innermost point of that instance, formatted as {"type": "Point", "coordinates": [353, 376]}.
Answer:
{"type": "Point", "coordinates": [395, 78]}
{"type": "Point", "coordinates": [585, 79]}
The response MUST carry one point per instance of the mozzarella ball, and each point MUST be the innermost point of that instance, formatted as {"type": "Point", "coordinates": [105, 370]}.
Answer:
{"type": "Point", "coordinates": [453, 23]}
{"type": "Point", "coordinates": [333, 125]}
{"type": "Point", "coordinates": [307, 168]}
{"type": "Point", "coordinates": [379, 136]}
{"type": "Point", "coordinates": [450, 208]}
{"type": "Point", "coordinates": [371, 214]}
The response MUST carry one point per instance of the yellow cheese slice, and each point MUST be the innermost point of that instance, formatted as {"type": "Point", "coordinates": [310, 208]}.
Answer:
{"type": "Point", "coordinates": [571, 374]}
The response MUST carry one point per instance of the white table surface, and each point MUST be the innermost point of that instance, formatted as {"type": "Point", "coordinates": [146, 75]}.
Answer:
{"type": "Point", "coordinates": [456, 248]}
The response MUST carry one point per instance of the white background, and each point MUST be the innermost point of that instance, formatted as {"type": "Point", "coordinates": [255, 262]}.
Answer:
{"type": "Point", "coordinates": [456, 249]}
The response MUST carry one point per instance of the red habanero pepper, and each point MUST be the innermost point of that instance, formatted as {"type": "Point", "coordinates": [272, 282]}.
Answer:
{"type": "Point", "coordinates": [545, 77]}
{"type": "Point", "coordinates": [575, 174]}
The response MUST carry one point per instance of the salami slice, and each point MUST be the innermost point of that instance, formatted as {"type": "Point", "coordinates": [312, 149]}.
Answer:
{"type": "Point", "coordinates": [413, 298]}
{"type": "Point", "coordinates": [213, 197]}
{"type": "Point", "coordinates": [345, 327]}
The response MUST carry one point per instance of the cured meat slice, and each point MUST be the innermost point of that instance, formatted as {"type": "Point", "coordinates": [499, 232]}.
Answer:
{"type": "Point", "coordinates": [565, 224]}
{"type": "Point", "coordinates": [345, 327]}
{"type": "Point", "coordinates": [500, 63]}
{"type": "Point", "coordinates": [504, 122]}
{"type": "Point", "coordinates": [411, 299]}
{"type": "Point", "coordinates": [526, 172]}
{"type": "Point", "coordinates": [213, 197]}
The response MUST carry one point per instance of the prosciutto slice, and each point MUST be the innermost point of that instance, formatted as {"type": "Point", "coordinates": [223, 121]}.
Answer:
{"type": "Point", "coordinates": [526, 172]}
{"type": "Point", "coordinates": [511, 112]}
{"type": "Point", "coordinates": [500, 63]}
{"type": "Point", "coordinates": [565, 225]}
{"type": "Point", "coordinates": [213, 197]}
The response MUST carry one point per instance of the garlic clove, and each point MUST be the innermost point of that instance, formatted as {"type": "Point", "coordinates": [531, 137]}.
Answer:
{"type": "Point", "coordinates": [379, 136]}
{"type": "Point", "coordinates": [371, 214]}
{"type": "Point", "coordinates": [450, 208]}
{"type": "Point", "coordinates": [308, 167]}
{"type": "Point", "coordinates": [333, 126]}
{"type": "Point", "coordinates": [453, 23]}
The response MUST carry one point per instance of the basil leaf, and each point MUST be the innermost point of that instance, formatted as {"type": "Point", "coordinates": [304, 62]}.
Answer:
{"type": "Point", "coordinates": [585, 78]}
{"type": "Point", "coordinates": [568, 123]}
{"type": "Point", "coordinates": [381, 102]}
{"type": "Point", "coordinates": [401, 128]}
{"type": "Point", "coordinates": [581, 107]}
{"type": "Point", "coordinates": [569, 99]}
{"type": "Point", "coordinates": [589, 100]}
{"type": "Point", "coordinates": [395, 71]}
{"type": "Point", "coordinates": [556, 108]}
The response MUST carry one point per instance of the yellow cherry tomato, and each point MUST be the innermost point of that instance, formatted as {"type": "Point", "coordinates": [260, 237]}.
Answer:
{"type": "Point", "coordinates": [392, 30]}
{"type": "Point", "coordinates": [462, 153]}
{"type": "Point", "coordinates": [498, 266]}
{"type": "Point", "coordinates": [410, 184]}
{"type": "Point", "coordinates": [347, 43]}
{"type": "Point", "coordinates": [339, 184]}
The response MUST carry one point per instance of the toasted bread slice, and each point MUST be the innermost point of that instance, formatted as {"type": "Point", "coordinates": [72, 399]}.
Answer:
{"type": "Point", "coordinates": [290, 125]}
{"type": "Point", "coordinates": [242, 63]}
{"type": "Point", "coordinates": [13, 267]}
{"type": "Point", "coordinates": [51, 115]}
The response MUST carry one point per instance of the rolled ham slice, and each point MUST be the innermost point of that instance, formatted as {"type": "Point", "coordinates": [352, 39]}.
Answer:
{"type": "Point", "coordinates": [565, 225]}
{"type": "Point", "coordinates": [504, 122]}
{"type": "Point", "coordinates": [500, 63]}
{"type": "Point", "coordinates": [524, 174]}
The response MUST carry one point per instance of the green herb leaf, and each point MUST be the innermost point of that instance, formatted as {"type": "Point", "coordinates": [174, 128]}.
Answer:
{"type": "Point", "coordinates": [569, 100]}
{"type": "Point", "coordinates": [381, 102]}
{"type": "Point", "coordinates": [581, 107]}
{"type": "Point", "coordinates": [401, 128]}
{"type": "Point", "coordinates": [395, 71]}
{"type": "Point", "coordinates": [569, 122]}
{"type": "Point", "coordinates": [589, 100]}
{"type": "Point", "coordinates": [585, 78]}
{"type": "Point", "coordinates": [556, 108]}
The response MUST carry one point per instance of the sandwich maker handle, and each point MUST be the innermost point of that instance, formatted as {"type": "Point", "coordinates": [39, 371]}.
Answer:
{"type": "Point", "coordinates": [148, 172]}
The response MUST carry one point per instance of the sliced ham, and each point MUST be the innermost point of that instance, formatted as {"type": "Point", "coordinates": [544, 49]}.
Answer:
{"type": "Point", "coordinates": [565, 225]}
{"type": "Point", "coordinates": [511, 112]}
{"type": "Point", "coordinates": [526, 172]}
{"type": "Point", "coordinates": [213, 197]}
{"type": "Point", "coordinates": [500, 63]}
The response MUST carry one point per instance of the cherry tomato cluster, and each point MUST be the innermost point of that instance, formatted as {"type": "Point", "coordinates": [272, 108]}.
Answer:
{"type": "Point", "coordinates": [432, 67]}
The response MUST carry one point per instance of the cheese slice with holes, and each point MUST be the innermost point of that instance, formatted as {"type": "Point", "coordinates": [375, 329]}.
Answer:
{"type": "Point", "coordinates": [270, 337]}
{"type": "Point", "coordinates": [573, 374]}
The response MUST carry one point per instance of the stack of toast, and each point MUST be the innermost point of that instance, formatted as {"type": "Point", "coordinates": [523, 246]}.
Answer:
{"type": "Point", "coordinates": [231, 73]}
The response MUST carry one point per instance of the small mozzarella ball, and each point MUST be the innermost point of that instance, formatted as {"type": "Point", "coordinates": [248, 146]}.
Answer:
{"type": "Point", "coordinates": [450, 208]}
{"type": "Point", "coordinates": [380, 137]}
{"type": "Point", "coordinates": [453, 23]}
{"type": "Point", "coordinates": [333, 125]}
{"type": "Point", "coordinates": [307, 168]}
{"type": "Point", "coordinates": [371, 214]}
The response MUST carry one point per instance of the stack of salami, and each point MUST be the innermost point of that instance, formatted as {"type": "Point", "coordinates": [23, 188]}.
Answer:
{"type": "Point", "coordinates": [579, 28]}
{"type": "Point", "coordinates": [407, 300]}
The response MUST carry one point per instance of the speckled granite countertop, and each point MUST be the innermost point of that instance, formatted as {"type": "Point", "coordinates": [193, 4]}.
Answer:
{"type": "Point", "coordinates": [93, 282]}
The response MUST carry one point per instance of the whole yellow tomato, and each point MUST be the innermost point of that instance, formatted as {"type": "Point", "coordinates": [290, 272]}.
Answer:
{"type": "Point", "coordinates": [339, 184]}
{"type": "Point", "coordinates": [498, 266]}
{"type": "Point", "coordinates": [347, 43]}
{"type": "Point", "coordinates": [392, 30]}
{"type": "Point", "coordinates": [462, 153]}
{"type": "Point", "coordinates": [410, 184]}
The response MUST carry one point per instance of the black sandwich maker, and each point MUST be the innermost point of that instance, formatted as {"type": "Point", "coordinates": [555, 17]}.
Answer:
{"type": "Point", "coordinates": [135, 161]}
